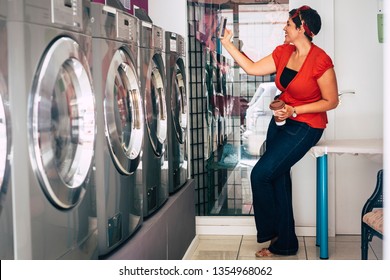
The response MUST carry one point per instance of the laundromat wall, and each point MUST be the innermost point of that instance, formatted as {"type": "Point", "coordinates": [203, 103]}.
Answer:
{"type": "Point", "coordinates": [219, 95]}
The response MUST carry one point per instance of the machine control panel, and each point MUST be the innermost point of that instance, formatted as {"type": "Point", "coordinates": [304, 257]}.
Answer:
{"type": "Point", "coordinates": [127, 27]}
{"type": "Point", "coordinates": [180, 45]}
{"type": "Point", "coordinates": [158, 37]}
{"type": "Point", "coordinates": [67, 12]}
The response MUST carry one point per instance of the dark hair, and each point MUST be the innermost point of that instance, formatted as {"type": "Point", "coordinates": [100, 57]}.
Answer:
{"type": "Point", "coordinates": [311, 18]}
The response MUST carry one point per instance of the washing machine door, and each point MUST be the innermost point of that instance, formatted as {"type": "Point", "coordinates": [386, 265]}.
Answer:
{"type": "Point", "coordinates": [208, 112]}
{"type": "Point", "coordinates": [4, 142]}
{"type": "Point", "coordinates": [62, 122]}
{"type": "Point", "coordinates": [179, 102]}
{"type": "Point", "coordinates": [214, 101]}
{"type": "Point", "coordinates": [155, 107]}
{"type": "Point", "coordinates": [123, 113]}
{"type": "Point", "coordinates": [209, 93]}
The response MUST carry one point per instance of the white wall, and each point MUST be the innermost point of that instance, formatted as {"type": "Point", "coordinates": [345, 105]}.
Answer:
{"type": "Point", "coordinates": [171, 15]}
{"type": "Point", "coordinates": [359, 64]}
{"type": "Point", "coordinates": [358, 59]}
{"type": "Point", "coordinates": [386, 137]}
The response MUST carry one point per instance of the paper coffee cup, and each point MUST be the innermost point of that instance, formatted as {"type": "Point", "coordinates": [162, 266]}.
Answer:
{"type": "Point", "coordinates": [277, 105]}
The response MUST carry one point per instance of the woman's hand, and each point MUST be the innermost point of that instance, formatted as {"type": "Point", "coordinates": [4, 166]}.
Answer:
{"type": "Point", "coordinates": [284, 113]}
{"type": "Point", "coordinates": [262, 67]}
{"type": "Point", "coordinates": [227, 38]}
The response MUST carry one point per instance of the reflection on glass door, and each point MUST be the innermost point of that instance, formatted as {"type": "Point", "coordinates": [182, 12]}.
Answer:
{"type": "Point", "coordinates": [226, 190]}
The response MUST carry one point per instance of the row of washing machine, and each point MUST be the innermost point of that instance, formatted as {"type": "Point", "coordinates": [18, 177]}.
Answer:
{"type": "Point", "coordinates": [219, 100]}
{"type": "Point", "coordinates": [93, 121]}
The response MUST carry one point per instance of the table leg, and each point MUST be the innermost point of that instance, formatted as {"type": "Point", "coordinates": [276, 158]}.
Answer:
{"type": "Point", "coordinates": [318, 204]}
{"type": "Point", "coordinates": [322, 206]}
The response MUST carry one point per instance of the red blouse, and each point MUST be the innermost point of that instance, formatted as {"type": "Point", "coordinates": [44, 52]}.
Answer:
{"type": "Point", "coordinates": [303, 88]}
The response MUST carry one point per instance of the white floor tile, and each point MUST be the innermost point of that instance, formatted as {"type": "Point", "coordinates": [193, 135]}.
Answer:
{"type": "Point", "coordinates": [228, 247]}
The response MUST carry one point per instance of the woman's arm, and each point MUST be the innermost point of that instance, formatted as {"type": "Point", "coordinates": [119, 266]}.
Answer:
{"type": "Point", "coordinates": [329, 92]}
{"type": "Point", "coordinates": [262, 67]}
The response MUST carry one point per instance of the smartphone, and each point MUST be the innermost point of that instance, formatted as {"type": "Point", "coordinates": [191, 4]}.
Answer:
{"type": "Point", "coordinates": [222, 27]}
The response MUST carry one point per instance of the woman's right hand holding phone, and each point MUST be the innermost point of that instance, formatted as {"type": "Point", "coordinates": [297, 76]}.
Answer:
{"type": "Point", "coordinates": [227, 37]}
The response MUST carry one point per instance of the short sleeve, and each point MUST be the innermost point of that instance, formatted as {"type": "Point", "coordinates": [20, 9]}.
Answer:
{"type": "Point", "coordinates": [323, 63]}
{"type": "Point", "coordinates": [281, 54]}
{"type": "Point", "coordinates": [277, 54]}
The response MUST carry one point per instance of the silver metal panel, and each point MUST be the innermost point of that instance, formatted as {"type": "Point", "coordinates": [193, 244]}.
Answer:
{"type": "Point", "coordinates": [44, 229]}
{"type": "Point", "coordinates": [158, 39]}
{"type": "Point", "coordinates": [145, 34]}
{"type": "Point", "coordinates": [6, 223]}
{"type": "Point", "coordinates": [120, 127]}
{"type": "Point", "coordinates": [67, 14]}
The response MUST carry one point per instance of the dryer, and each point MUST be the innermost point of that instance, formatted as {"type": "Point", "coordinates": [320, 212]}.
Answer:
{"type": "Point", "coordinates": [153, 91]}
{"type": "Point", "coordinates": [222, 101]}
{"type": "Point", "coordinates": [6, 223]}
{"type": "Point", "coordinates": [229, 97]}
{"type": "Point", "coordinates": [177, 110]}
{"type": "Point", "coordinates": [52, 102]}
{"type": "Point", "coordinates": [159, 85]}
{"type": "Point", "coordinates": [214, 100]}
{"type": "Point", "coordinates": [208, 114]}
{"type": "Point", "coordinates": [120, 125]}
{"type": "Point", "coordinates": [218, 101]}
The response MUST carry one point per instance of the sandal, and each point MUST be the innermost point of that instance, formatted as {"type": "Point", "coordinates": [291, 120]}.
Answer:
{"type": "Point", "coordinates": [264, 253]}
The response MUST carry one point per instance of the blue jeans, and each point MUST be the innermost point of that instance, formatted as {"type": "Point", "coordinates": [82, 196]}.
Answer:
{"type": "Point", "coordinates": [271, 183]}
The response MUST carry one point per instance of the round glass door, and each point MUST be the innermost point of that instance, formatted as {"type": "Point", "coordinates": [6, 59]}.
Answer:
{"type": "Point", "coordinates": [62, 119]}
{"type": "Point", "coordinates": [208, 113]}
{"type": "Point", "coordinates": [209, 92]}
{"type": "Point", "coordinates": [4, 143]}
{"type": "Point", "coordinates": [155, 108]}
{"type": "Point", "coordinates": [214, 100]}
{"type": "Point", "coordinates": [179, 102]}
{"type": "Point", "coordinates": [124, 117]}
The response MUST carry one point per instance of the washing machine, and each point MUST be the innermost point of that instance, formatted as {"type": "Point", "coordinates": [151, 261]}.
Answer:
{"type": "Point", "coordinates": [177, 110]}
{"type": "Point", "coordinates": [120, 125]}
{"type": "Point", "coordinates": [229, 97]}
{"type": "Point", "coordinates": [224, 81]}
{"type": "Point", "coordinates": [218, 97]}
{"type": "Point", "coordinates": [53, 112]}
{"type": "Point", "coordinates": [208, 116]}
{"type": "Point", "coordinates": [214, 99]}
{"type": "Point", "coordinates": [159, 83]}
{"type": "Point", "coordinates": [6, 223]}
{"type": "Point", "coordinates": [153, 92]}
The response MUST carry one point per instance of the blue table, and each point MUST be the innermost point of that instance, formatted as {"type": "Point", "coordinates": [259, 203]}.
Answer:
{"type": "Point", "coordinates": [321, 151]}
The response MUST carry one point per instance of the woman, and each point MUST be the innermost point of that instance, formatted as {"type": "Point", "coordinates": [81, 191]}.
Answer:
{"type": "Point", "coordinates": [306, 77]}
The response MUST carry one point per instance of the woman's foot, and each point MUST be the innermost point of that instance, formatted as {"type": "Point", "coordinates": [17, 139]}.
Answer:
{"type": "Point", "coordinates": [264, 253]}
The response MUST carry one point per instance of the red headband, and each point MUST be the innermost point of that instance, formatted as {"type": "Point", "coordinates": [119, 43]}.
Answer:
{"type": "Point", "coordinates": [298, 13]}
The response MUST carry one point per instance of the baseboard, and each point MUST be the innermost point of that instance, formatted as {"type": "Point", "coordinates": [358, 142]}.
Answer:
{"type": "Point", "coordinates": [237, 225]}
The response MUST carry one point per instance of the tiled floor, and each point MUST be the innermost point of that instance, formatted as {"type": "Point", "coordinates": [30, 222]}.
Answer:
{"type": "Point", "coordinates": [238, 247]}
